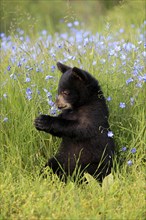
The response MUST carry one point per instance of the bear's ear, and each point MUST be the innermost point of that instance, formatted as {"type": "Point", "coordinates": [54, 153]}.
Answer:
{"type": "Point", "coordinates": [63, 68]}
{"type": "Point", "coordinates": [80, 74]}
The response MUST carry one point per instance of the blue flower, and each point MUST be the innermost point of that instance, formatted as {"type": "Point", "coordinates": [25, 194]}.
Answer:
{"type": "Point", "coordinates": [48, 77]}
{"type": "Point", "coordinates": [122, 105]}
{"type": "Point", "coordinates": [42, 62]}
{"type": "Point", "coordinates": [128, 46]}
{"type": "Point", "coordinates": [39, 69]}
{"type": "Point", "coordinates": [121, 30]}
{"type": "Point", "coordinates": [139, 85]}
{"type": "Point", "coordinates": [144, 78]}
{"type": "Point", "coordinates": [2, 35]}
{"type": "Point", "coordinates": [27, 79]}
{"type": "Point", "coordinates": [29, 97]}
{"type": "Point", "coordinates": [109, 99]}
{"type": "Point", "coordinates": [140, 78]}
{"type": "Point", "coordinates": [76, 23]}
{"type": "Point", "coordinates": [31, 68]}
{"type": "Point", "coordinates": [60, 46]}
{"type": "Point", "coordinates": [135, 72]}
{"type": "Point", "coordinates": [69, 24]}
{"type": "Point", "coordinates": [144, 53]}
{"type": "Point", "coordinates": [123, 57]}
{"type": "Point", "coordinates": [129, 81]}
{"type": "Point", "coordinates": [44, 32]}
{"type": "Point", "coordinates": [53, 68]}
{"type": "Point", "coordinates": [129, 162]}
{"type": "Point", "coordinates": [110, 134]}
{"type": "Point", "coordinates": [8, 68]}
{"type": "Point", "coordinates": [49, 95]}
{"type": "Point", "coordinates": [133, 150]}
{"type": "Point", "coordinates": [27, 67]}
{"type": "Point", "coordinates": [50, 102]}
{"type": "Point", "coordinates": [94, 63]}
{"type": "Point", "coordinates": [19, 64]}
{"type": "Point", "coordinates": [53, 110]}
{"type": "Point", "coordinates": [5, 119]}
{"type": "Point", "coordinates": [117, 48]}
{"type": "Point", "coordinates": [124, 149]}
{"type": "Point", "coordinates": [5, 95]}
{"type": "Point", "coordinates": [28, 93]}
{"type": "Point", "coordinates": [112, 52]}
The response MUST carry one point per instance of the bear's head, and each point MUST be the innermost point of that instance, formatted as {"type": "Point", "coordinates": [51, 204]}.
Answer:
{"type": "Point", "coordinates": [76, 87]}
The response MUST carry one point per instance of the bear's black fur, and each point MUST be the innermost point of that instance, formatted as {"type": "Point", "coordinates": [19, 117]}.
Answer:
{"type": "Point", "coordinates": [82, 125]}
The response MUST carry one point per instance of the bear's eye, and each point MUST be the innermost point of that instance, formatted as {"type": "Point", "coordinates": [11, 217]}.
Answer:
{"type": "Point", "coordinates": [65, 92]}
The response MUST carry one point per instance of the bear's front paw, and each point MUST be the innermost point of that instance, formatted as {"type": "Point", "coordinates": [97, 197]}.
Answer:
{"type": "Point", "coordinates": [43, 123]}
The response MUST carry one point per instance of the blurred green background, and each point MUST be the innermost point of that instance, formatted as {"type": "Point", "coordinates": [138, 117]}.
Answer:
{"type": "Point", "coordinates": [36, 15]}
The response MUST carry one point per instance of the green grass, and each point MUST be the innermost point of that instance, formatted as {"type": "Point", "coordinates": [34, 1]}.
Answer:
{"type": "Point", "coordinates": [24, 150]}
{"type": "Point", "coordinates": [30, 198]}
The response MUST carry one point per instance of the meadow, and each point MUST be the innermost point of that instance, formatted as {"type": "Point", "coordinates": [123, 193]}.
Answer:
{"type": "Point", "coordinates": [116, 56]}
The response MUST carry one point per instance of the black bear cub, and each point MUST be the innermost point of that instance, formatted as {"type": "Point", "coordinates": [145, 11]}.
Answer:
{"type": "Point", "coordinates": [82, 125]}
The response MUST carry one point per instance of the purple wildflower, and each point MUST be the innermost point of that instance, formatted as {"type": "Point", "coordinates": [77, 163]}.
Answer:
{"type": "Point", "coordinates": [117, 48]}
{"type": "Point", "coordinates": [144, 78]}
{"type": "Point", "coordinates": [53, 68]}
{"type": "Point", "coordinates": [94, 63]}
{"type": "Point", "coordinates": [42, 62]}
{"type": "Point", "coordinates": [28, 93]}
{"type": "Point", "coordinates": [5, 95]}
{"type": "Point", "coordinates": [5, 119]}
{"type": "Point", "coordinates": [109, 99]}
{"type": "Point", "coordinates": [53, 110]}
{"type": "Point", "coordinates": [144, 53]}
{"type": "Point", "coordinates": [124, 149]}
{"type": "Point", "coordinates": [19, 64]}
{"type": "Point", "coordinates": [76, 23]}
{"type": "Point", "coordinates": [49, 95]}
{"type": "Point", "coordinates": [112, 52]}
{"type": "Point", "coordinates": [110, 134]}
{"type": "Point", "coordinates": [27, 79]}
{"type": "Point", "coordinates": [139, 85]}
{"type": "Point", "coordinates": [50, 102]}
{"type": "Point", "coordinates": [129, 162]}
{"type": "Point", "coordinates": [8, 68]}
{"type": "Point", "coordinates": [48, 77]}
{"type": "Point", "coordinates": [133, 150]}
{"type": "Point", "coordinates": [129, 81]}
{"type": "Point", "coordinates": [122, 105]}
{"type": "Point", "coordinates": [121, 30]}
{"type": "Point", "coordinates": [44, 32]}
{"type": "Point", "coordinates": [69, 24]}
